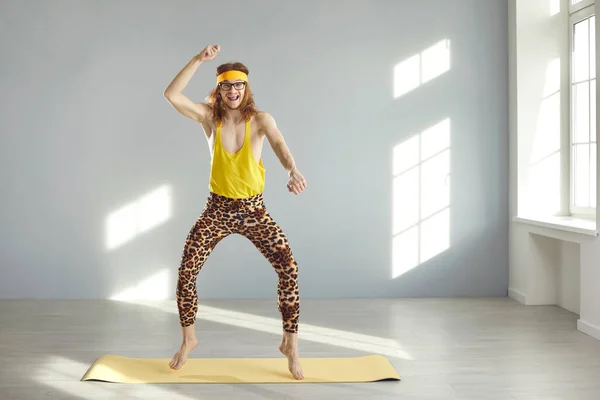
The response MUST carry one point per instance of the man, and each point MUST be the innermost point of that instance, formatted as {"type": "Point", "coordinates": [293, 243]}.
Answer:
{"type": "Point", "coordinates": [235, 132]}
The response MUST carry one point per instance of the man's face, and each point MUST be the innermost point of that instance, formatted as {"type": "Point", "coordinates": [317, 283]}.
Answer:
{"type": "Point", "coordinates": [232, 92]}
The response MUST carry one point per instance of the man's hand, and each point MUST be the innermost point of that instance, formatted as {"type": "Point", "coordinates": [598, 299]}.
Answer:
{"type": "Point", "coordinates": [209, 53]}
{"type": "Point", "coordinates": [297, 183]}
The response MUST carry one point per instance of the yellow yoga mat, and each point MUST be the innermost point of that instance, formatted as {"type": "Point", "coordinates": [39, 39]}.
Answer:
{"type": "Point", "coordinates": [118, 369]}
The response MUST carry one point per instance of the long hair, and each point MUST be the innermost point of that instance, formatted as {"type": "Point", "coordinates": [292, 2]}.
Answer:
{"type": "Point", "coordinates": [215, 101]}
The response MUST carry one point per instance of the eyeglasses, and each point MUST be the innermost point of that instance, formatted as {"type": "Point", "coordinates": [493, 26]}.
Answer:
{"type": "Point", "coordinates": [237, 85]}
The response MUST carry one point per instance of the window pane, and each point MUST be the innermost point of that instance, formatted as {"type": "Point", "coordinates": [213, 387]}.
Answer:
{"type": "Point", "coordinates": [581, 112]}
{"type": "Point", "coordinates": [581, 175]}
{"type": "Point", "coordinates": [593, 111]}
{"type": "Point", "coordinates": [581, 51]}
{"type": "Point", "coordinates": [593, 47]}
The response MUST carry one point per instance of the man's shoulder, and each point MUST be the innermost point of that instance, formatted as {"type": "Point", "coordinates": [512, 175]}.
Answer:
{"type": "Point", "coordinates": [264, 119]}
{"type": "Point", "coordinates": [263, 116]}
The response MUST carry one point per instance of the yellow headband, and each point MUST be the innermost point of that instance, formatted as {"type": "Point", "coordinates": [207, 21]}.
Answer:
{"type": "Point", "coordinates": [229, 75]}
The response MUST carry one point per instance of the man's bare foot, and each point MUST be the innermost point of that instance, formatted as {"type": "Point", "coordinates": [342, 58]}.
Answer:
{"type": "Point", "coordinates": [184, 351]}
{"type": "Point", "coordinates": [289, 348]}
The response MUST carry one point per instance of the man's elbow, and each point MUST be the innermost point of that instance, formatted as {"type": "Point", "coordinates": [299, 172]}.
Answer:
{"type": "Point", "coordinates": [170, 96]}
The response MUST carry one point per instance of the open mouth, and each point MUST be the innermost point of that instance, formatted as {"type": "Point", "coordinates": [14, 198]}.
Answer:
{"type": "Point", "coordinates": [233, 98]}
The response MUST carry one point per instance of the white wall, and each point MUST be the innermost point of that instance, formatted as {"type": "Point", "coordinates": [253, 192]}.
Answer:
{"type": "Point", "coordinates": [568, 275]}
{"type": "Point", "coordinates": [543, 92]}
{"type": "Point", "coordinates": [550, 262]}
{"type": "Point", "coordinates": [90, 148]}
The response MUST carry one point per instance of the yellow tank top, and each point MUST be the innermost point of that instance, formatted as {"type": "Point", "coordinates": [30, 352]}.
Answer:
{"type": "Point", "coordinates": [236, 175]}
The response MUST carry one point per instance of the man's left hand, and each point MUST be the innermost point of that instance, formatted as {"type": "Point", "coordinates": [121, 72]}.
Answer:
{"type": "Point", "coordinates": [297, 183]}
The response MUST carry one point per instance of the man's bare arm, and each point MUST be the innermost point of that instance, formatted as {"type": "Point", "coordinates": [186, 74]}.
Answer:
{"type": "Point", "coordinates": [173, 93]}
{"type": "Point", "coordinates": [297, 183]}
{"type": "Point", "coordinates": [276, 140]}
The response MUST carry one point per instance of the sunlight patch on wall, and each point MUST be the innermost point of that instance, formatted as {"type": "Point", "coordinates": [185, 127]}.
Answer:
{"type": "Point", "coordinates": [544, 160]}
{"type": "Point", "coordinates": [137, 217]}
{"type": "Point", "coordinates": [155, 287]}
{"type": "Point", "coordinates": [554, 7]}
{"type": "Point", "coordinates": [421, 68]}
{"type": "Point", "coordinates": [421, 198]}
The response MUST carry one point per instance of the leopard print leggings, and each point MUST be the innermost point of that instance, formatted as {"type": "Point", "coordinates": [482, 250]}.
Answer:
{"type": "Point", "coordinates": [221, 217]}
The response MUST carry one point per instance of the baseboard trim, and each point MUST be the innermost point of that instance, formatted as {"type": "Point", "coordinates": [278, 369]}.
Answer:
{"type": "Point", "coordinates": [516, 295]}
{"type": "Point", "coordinates": [588, 329]}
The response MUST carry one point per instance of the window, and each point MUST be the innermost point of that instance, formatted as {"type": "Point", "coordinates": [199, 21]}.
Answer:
{"type": "Point", "coordinates": [583, 108]}
{"type": "Point", "coordinates": [576, 5]}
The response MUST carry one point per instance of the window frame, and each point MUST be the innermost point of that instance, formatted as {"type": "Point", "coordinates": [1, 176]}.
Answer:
{"type": "Point", "coordinates": [573, 8]}
{"type": "Point", "coordinates": [577, 13]}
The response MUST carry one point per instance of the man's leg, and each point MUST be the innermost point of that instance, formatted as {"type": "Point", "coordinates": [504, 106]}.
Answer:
{"type": "Point", "coordinates": [206, 233]}
{"type": "Point", "coordinates": [262, 230]}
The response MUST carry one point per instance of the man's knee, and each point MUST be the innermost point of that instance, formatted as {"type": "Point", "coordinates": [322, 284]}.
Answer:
{"type": "Point", "coordinates": [283, 257]}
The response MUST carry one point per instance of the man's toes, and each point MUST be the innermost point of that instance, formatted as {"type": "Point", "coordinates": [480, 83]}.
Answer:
{"type": "Point", "coordinates": [179, 363]}
{"type": "Point", "coordinates": [174, 361]}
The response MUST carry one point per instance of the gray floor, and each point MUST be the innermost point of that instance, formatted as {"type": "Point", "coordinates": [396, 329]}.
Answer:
{"type": "Point", "coordinates": [443, 348]}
